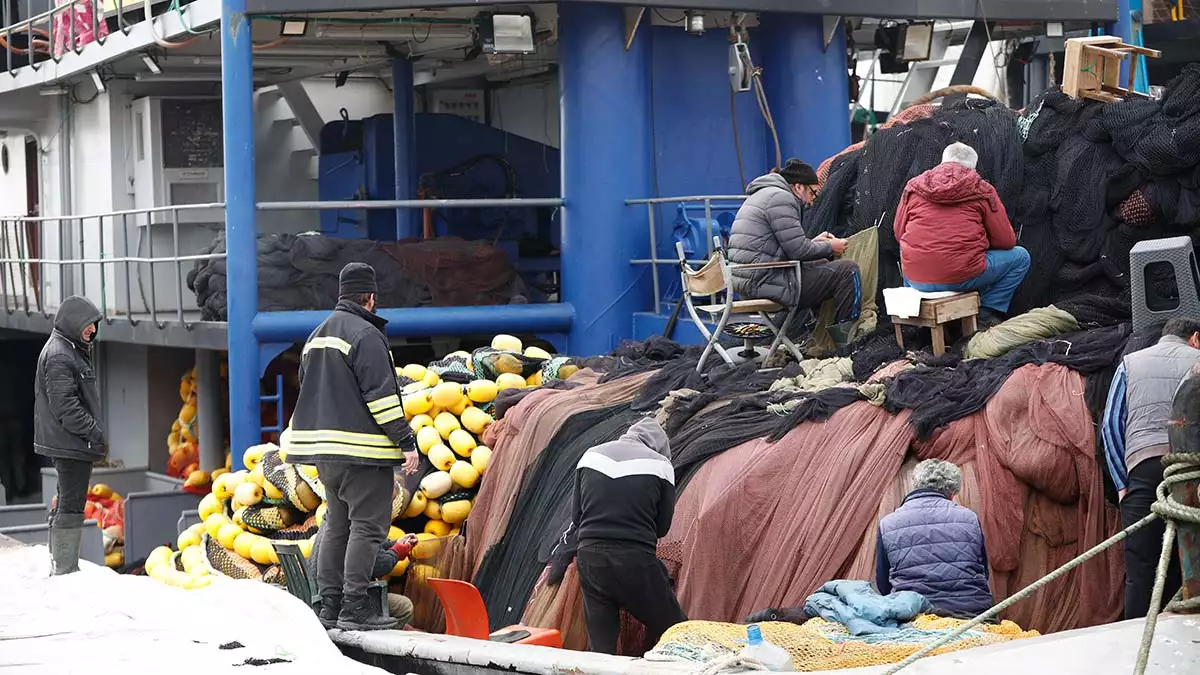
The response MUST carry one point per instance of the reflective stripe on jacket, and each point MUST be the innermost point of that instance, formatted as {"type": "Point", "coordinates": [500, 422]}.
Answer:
{"type": "Point", "coordinates": [349, 408]}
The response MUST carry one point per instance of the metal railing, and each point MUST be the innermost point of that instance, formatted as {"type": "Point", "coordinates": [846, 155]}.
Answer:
{"type": "Point", "coordinates": [117, 250]}
{"type": "Point", "coordinates": [110, 243]}
{"type": "Point", "coordinates": [654, 261]}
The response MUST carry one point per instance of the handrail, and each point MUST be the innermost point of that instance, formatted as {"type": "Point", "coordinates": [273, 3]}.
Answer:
{"type": "Point", "coordinates": [516, 202]}
{"type": "Point", "coordinates": [654, 261]}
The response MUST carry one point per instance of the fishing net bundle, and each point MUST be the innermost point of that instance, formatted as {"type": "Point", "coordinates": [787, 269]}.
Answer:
{"type": "Point", "coordinates": [820, 645]}
{"type": "Point", "coordinates": [489, 363]}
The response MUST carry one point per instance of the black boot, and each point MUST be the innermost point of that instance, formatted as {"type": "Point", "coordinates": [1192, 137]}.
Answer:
{"type": "Point", "coordinates": [359, 614]}
{"type": "Point", "coordinates": [331, 606]}
{"type": "Point", "coordinates": [66, 533]}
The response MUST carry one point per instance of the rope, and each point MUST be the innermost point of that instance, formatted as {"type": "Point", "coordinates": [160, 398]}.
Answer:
{"type": "Point", "coordinates": [730, 664]}
{"type": "Point", "coordinates": [1178, 468]}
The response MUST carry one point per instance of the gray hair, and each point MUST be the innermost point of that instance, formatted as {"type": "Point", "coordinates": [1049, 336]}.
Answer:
{"type": "Point", "coordinates": [939, 475]}
{"type": "Point", "coordinates": [960, 153]}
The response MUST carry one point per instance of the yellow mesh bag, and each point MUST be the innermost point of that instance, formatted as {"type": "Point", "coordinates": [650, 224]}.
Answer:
{"type": "Point", "coordinates": [232, 565]}
{"type": "Point", "coordinates": [305, 530]}
{"type": "Point", "coordinates": [296, 489]}
{"type": "Point", "coordinates": [826, 645]}
{"type": "Point", "coordinates": [267, 519]}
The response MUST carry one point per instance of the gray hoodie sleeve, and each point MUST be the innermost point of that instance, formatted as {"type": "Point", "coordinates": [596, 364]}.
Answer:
{"type": "Point", "coordinates": [783, 216]}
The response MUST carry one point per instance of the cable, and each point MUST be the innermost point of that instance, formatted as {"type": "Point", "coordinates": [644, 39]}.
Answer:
{"type": "Point", "coordinates": [737, 144]}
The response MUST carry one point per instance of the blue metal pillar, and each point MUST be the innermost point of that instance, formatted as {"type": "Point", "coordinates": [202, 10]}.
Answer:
{"type": "Point", "coordinates": [606, 159]}
{"type": "Point", "coordinates": [1123, 29]}
{"type": "Point", "coordinates": [403, 121]}
{"type": "Point", "coordinates": [806, 86]}
{"type": "Point", "coordinates": [237, 94]}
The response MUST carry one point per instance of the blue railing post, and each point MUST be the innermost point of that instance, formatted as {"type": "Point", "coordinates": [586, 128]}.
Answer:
{"type": "Point", "coordinates": [606, 158]}
{"type": "Point", "coordinates": [806, 86]}
{"type": "Point", "coordinates": [403, 121]}
{"type": "Point", "coordinates": [237, 93]}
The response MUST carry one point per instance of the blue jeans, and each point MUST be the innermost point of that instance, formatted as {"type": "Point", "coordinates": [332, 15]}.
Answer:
{"type": "Point", "coordinates": [1005, 271]}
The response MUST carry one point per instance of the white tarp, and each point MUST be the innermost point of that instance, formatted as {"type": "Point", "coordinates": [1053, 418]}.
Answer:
{"type": "Point", "coordinates": [98, 621]}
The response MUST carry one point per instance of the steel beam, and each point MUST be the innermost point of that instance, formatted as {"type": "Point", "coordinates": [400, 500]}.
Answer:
{"type": "Point", "coordinates": [996, 10]}
{"type": "Point", "coordinates": [302, 107]}
{"type": "Point", "coordinates": [428, 321]}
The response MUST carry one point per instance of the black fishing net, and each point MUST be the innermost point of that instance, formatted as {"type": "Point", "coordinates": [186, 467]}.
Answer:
{"type": "Point", "coordinates": [510, 569]}
{"type": "Point", "coordinates": [300, 272]}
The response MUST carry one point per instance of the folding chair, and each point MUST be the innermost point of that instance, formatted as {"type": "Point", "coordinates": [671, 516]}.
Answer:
{"type": "Point", "coordinates": [715, 278]}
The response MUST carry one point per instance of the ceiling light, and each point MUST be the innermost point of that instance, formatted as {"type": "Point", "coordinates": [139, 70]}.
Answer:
{"type": "Point", "coordinates": [506, 33]}
{"type": "Point", "coordinates": [694, 22]}
{"type": "Point", "coordinates": [98, 81]}
{"type": "Point", "coordinates": [151, 64]}
{"type": "Point", "coordinates": [1054, 29]}
{"type": "Point", "coordinates": [293, 28]}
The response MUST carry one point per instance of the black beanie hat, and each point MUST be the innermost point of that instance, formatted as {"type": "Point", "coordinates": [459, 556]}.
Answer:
{"type": "Point", "coordinates": [357, 278]}
{"type": "Point", "coordinates": [796, 172]}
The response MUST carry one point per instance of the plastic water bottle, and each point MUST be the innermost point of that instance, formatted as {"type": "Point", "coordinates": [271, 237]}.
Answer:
{"type": "Point", "coordinates": [773, 657]}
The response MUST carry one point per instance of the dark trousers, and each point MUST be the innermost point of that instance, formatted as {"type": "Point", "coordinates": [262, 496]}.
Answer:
{"type": "Point", "coordinates": [358, 512]}
{"type": "Point", "coordinates": [616, 576]}
{"type": "Point", "coordinates": [836, 279]}
{"type": "Point", "coordinates": [74, 477]}
{"type": "Point", "coordinates": [1143, 548]}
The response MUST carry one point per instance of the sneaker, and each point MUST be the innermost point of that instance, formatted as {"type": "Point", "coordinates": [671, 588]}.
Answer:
{"type": "Point", "coordinates": [358, 614]}
{"type": "Point", "coordinates": [328, 614]}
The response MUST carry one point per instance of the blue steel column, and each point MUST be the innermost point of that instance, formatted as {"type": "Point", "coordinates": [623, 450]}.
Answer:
{"type": "Point", "coordinates": [606, 151]}
{"type": "Point", "coordinates": [1123, 29]}
{"type": "Point", "coordinates": [403, 121]}
{"type": "Point", "coordinates": [237, 92]}
{"type": "Point", "coordinates": [806, 86]}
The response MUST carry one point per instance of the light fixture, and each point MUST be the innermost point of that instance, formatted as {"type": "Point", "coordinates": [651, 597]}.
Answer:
{"type": "Point", "coordinates": [917, 42]}
{"type": "Point", "coordinates": [1054, 29]}
{"type": "Point", "coordinates": [98, 81]}
{"type": "Point", "coordinates": [693, 22]}
{"type": "Point", "coordinates": [151, 64]}
{"type": "Point", "coordinates": [53, 91]}
{"type": "Point", "coordinates": [293, 27]}
{"type": "Point", "coordinates": [506, 33]}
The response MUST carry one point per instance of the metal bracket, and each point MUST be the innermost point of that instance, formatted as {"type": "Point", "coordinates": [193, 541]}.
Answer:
{"type": "Point", "coordinates": [830, 26]}
{"type": "Point", "coordinates": [633, 19]}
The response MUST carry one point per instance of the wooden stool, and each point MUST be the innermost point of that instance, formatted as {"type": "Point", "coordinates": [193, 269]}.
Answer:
{"type": "Point", "coordinates": [935, 314]}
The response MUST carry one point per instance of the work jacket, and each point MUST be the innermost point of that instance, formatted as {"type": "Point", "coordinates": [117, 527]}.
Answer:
{"type": "Point", "coordinates": [769, 228]}
{"type": "Point", "coordinates": [935, 547]}
{"type": "Point", "coordinates": [1152, 376]}
{"type": "Point", "coordinates": [349, 409]}
{"type": "Point", "coordinates": [947, 220]}
{"type": "Point", "coordinates": [66, 409]}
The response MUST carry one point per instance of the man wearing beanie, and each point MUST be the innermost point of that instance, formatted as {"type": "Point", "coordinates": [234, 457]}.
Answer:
{"type": "Point", "coordinates": [955, 235]}
{"type": "Point", "coordinates": [349, 422]}
{"type": "Point", "coordinates": [769, 228]}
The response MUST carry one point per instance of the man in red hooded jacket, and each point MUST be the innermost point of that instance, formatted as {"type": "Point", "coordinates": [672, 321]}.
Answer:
{"type": "Point", "coordinates": [955, 235]}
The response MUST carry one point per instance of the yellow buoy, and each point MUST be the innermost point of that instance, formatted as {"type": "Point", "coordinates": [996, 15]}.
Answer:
{"type": "Point", "coordinates": [441, 456]}
{"type": "Point", "coordinates": [248, 494]}
{"type": "Point", "coordinates": [462, 442]}
{"type": "Point", "coordinates": [433, 510]}
{"type": "Point", "coordinates": [400, 568]}
{"type": "Point", "coordinates": [415, 507]}
{"type": "Point", "coordinates": [446, 423]}
{"type": "Point", "coordinates": [214, 523]}
{"type": "Point", "coordinates": [244, 543]}
{"type": "Point", "coordinates": [437, 528]}
{"type": "Point", "coordinates": [228, 534]}
{"type": "Point", "coordinates": [482, 391]}
{"type": "Point", "coordinates": [464, 475]}
{"type": "Point", "coordinates": [432, 379]}
{"type": "Point", "coordinates": [418, 403]}
{"type": "Point", "coordinates": [480, 457]}
{"type": "Point", "coordinates": [507, 343]}
{"type": "Point", "coordinates": [414, 371]}
{"type": "Point", "coordinates": [427, 437]}
{"type": "Point", "coordinates": [395, 533]}
{"type": "Point", "coordinates": [475, 420]}
{"type": "Point", "coordinates": [262, 552]}
{"type": "Point", "coordinates": [208, 506]}
{"type": "Point", "coordinates": [534, 380]}
{"type": "Point", "coordinates": [419, 422]}
{"type": "Point", "coordinates": [510, 381]}
{"type": "Point", "coordinates": [537, 353]}
{"type": "Point", "coordinates": [456, 511]}
{"type": "Point", "coordinates": [458, 408]}
{"type": "Point", "coordinates": [447, 394]}
{"type": "Point", "coordinates": [427, 546]}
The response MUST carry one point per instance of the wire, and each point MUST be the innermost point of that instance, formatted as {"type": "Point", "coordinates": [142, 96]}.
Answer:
{"type": "Point", "coordinates": [737, 144]}
{"type": "Point", "coordinates": [681, 19]}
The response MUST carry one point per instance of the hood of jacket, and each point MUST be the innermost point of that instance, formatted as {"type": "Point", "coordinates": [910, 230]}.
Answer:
{"type": "Point", "coordinates": [649, 433]}
{"type": "Point", "coordinates": [770, 180]}
{"type": "Point", "coordinates": [74, 315]}
{"type": "Point", "coordinates": [949, 183]}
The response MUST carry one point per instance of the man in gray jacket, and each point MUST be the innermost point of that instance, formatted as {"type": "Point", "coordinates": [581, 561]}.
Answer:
{"type": "Point", "coordinates": [1134, 430]}
{"type": "Point", "coordinates": [66, 423]}
{"type": "Point", "coordinates": [769, 228]}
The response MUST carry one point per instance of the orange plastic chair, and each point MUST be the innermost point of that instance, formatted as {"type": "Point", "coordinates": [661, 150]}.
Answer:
{"type": "Point", "coordinates": [466, 616]}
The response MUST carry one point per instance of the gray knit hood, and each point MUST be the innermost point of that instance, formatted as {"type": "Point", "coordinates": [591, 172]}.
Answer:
{"type": "Point", "coordinates": [649, 433]}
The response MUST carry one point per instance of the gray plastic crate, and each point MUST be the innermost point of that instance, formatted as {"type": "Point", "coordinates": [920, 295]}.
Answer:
{"type": "Point", "coordinates": [1176, 252]}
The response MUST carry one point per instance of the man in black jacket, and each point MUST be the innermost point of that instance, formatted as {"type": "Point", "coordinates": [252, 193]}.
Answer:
{"type": "Point", "coordinates": [349, 422]}
{"type": "Point", "coordinates": [624, 502]}
{"type": "Point", "coordinates": [66, 423]}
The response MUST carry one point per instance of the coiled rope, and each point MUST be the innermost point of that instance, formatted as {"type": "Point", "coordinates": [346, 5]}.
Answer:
{"type": "Point", "coordinates": [1178, 468]}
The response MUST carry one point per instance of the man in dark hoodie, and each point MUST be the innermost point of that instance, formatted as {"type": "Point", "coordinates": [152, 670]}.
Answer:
{"type": "Point", "coordinates": [66, 423]}
{"type": "Point", "coordinates": [955, 235]}
{"type": "Point", "coordinates": [769, 228]}
{"type": "Point", "coordinates": [624, 502]}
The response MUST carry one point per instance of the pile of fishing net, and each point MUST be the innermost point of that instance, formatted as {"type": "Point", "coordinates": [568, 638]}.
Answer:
{"type": "Point", "coordinates": [300, 272]}
{"type": "Point", "coordinates": [826, 645]}
{"type": "Point", "coordinates": [1082, 181]}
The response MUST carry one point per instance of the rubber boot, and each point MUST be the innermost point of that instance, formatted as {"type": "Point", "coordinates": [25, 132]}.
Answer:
{"type": "Point", "coordinates": [842, 334]}
{"type": "Point", "coordinates": [331, 607]}
{"type": "Point", "coordinates": [360, 614]}
{"type": "Point", "coordinates": [66, 533]}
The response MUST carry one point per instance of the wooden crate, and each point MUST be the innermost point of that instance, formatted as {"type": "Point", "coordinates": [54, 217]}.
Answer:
{"type": "Point", "coordinates": [1093, 68]}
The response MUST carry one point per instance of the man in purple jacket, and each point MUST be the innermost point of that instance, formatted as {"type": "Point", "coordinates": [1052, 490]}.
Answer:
{"type": "Point", "coordinates": [934, 546]}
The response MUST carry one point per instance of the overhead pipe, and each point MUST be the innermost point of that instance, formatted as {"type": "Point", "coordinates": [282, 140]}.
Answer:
{"type": "Point", "coordinates": [428, 321]}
